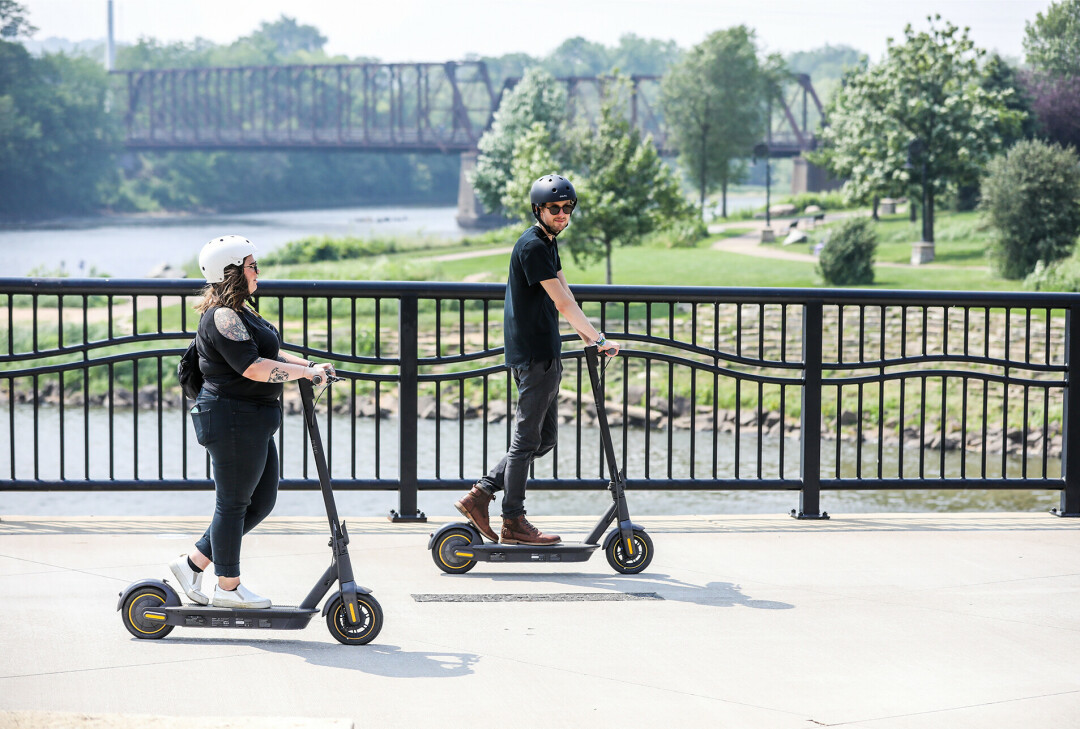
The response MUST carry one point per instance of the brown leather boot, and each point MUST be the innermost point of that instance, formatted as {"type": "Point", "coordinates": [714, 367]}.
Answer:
{"type": "Point", "coordinates": [519, 531]}
{"type": "Point", "coordinates": [474, 507]}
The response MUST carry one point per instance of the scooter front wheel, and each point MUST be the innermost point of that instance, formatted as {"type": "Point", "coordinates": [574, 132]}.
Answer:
{"type": "Point", "coordinates": [363, 630]}
{"type": "Point", "coordinates": [138, 625]}
{"type": "Point", "coordinates": [633, 558]}
{"type": "Point", "coordinates": [453, 553]}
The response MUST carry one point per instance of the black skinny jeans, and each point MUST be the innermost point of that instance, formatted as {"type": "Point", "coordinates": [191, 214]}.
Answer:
{"type": "Point", "coordinates": [240, 438]}
{"type": "Point", "coordinates": [536, 430]}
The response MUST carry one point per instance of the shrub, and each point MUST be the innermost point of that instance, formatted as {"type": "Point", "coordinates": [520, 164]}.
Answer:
{"type": "Point", "coordinates": [848, 255]}
{"type": "Point", "coordinates": [1031, 196]}
{"type": "Point", "coordinates": [1062, 275]}
{"type": "Point", "coordinates": [315, 248]}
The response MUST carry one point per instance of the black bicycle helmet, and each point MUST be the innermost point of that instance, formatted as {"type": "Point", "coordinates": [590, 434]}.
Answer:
{"type": "Point", "coordinates": [550, 188]}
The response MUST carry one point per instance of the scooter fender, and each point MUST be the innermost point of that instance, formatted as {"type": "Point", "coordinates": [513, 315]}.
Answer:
{"type": "Point", "coordinates": [171, 598]}
{"type": "Point", "coordinates": [360, 590]}
{"type": "Point", "coordinates": [617, 531]}
{"type": "Point", "coordinates": [474, 535]}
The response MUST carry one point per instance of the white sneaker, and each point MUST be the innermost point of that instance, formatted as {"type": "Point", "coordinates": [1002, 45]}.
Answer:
{"type": "Point", "coordinates": [190, 580]}
{"type": "Point", "coordinates": [241, 597]}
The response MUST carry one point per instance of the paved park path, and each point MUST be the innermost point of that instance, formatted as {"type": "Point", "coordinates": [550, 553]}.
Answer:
{"type": "Point", "coordinates": [877, 621]}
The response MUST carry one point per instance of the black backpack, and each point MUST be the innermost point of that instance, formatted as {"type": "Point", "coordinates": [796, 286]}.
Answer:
{"type": "Point", "coordinates": [191, 379]}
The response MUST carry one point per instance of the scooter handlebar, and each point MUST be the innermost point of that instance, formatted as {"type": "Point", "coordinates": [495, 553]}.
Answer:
{"type": "Point", "coordinates": [317, 379]}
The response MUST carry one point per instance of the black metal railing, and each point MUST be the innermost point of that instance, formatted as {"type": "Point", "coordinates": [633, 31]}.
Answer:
{"type": "Point", "coordinates": [716, 389]}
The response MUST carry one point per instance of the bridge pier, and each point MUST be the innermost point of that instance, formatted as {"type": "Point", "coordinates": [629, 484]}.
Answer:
{"type": "Point", "coordinates": [470, 211]}
{"type": "Point", "coordinates": [808, 177]}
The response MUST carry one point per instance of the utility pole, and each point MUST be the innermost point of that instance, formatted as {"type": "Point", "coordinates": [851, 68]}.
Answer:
{"type": "Point", "coordinates": [110, 48]}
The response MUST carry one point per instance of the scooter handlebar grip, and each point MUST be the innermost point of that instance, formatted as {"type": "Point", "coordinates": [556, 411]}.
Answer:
{"type": "Point", "coordinates": [316, 380]}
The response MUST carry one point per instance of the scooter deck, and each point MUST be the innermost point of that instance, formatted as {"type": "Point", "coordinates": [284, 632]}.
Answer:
{"type": "Point", "coordinates": [206, 616]}
{"type": "Point", "coordinates": [561, 552]}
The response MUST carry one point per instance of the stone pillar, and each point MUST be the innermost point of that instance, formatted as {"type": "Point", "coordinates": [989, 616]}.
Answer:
{"type": "Point", "coordinates": [921, 252]}
{"type": "Point", "coordinates": [470, 212]}
{"type": "Point", "coordinates": [808, 177]}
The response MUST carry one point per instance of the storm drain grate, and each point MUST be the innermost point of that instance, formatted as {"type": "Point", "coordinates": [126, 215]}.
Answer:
{"type": "Point", "coordinates": [550, 597]}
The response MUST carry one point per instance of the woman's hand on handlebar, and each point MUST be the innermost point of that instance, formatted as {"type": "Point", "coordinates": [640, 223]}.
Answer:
{"type": "Point", "coordinates": [322, 370]}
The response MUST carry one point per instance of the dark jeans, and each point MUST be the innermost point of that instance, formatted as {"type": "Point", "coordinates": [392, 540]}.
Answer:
{"type": "Point", "coordinates": [536, 430]}
{"type": "Point", "coordinates": [240, 438]}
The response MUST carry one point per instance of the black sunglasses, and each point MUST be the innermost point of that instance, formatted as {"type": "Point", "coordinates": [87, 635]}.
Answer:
{"type": "Point", "coordinates": [253, 266]}
{"type": "Point", "coordinates": [555, 208]}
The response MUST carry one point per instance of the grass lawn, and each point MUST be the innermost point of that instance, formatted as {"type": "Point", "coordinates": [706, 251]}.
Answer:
{"type": "Point", "coordinates": [960, 262]}
{"type": "Point", "coordinates": [959, 239]}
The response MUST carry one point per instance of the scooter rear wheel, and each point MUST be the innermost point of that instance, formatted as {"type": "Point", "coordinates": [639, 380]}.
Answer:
{"type": "Point", "coordinates": [141, 627]}
{"type": "Point", "coordinates": [631, 561]}
{"type": "Point", "coordinates": [446, 552]}
{"type": "Point", "coordinates": [364, 630]}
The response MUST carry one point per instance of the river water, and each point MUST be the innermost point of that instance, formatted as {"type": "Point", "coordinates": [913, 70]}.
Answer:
{"type": "Point", "coordinates": [117, 463]}
{"type": "Point", "coordinates": [132, 246]}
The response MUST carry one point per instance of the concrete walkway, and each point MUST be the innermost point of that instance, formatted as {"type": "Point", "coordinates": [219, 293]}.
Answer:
{"type": "Point", "coordinates": [878, 621]}
{"type": "Point", "coordinates": [749, 244]}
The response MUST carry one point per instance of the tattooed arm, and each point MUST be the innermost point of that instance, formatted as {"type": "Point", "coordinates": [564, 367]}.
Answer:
{"type": "Point", "coordinates": [292, 358]}
{"type": "Point", "coordinates": [230, 326]}
{"type": "Point", "coordinates": [286, 367]}
{"type": "Point", "coordinates": [274, 370]}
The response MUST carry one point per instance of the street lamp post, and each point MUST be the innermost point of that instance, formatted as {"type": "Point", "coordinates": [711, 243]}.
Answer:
{"type": "Point", "coordinates": [923, 250]}
{"type": "Point", "coordinates": [762, 151]}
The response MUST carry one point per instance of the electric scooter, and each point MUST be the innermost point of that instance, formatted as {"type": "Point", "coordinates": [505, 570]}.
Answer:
{"type": "Point", "coordinates": [456, 548]}
{"type": "Point", "coordinates": [151, 609]}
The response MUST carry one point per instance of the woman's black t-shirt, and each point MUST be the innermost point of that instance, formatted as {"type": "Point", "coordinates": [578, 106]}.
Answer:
{"type": "Point", "coordinates": [222, 361]}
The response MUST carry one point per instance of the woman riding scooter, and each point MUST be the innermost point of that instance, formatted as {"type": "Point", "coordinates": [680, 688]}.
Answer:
{"type": "Point", "coordinates": [235, 416]}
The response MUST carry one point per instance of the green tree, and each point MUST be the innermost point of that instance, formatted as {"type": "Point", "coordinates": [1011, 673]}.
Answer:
{"type": "Point", "coordinates": [14, 21]}
{"type": "Point", "coordinates": [625, 190]}
{"type": "Point", "coordinates": [537, 98]}
{"type": "Point", "coordinates": [56, 139]}
{"type": "Point", "coordinates": [647, 56]}
{"type": "Point", "coordinates": [1052, 41]}
{"type": "Point", "coordinates": [1031, 196]}
{"type": "Point", "coordinates": [285, 38]}
{"type": "Point", "coordinates": [928, 90]}
{"type": "Point", "coordinates": [714, 102]}
{"type": "Point", "coordinates": [534, 156]}
{"type": "Point", "coordinates": [578, 57]}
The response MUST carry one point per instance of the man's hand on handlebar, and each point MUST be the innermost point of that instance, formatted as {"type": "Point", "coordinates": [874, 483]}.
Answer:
{"type": "Point", "coordinates": [609, 348]}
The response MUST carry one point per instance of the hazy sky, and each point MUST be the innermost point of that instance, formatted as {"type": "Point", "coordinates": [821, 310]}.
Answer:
{"type": "Point", "coordinates": [441, 30]}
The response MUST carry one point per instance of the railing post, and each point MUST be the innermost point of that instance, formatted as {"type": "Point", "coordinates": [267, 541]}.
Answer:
{"type": "Point", "coordinates": [1070, 420]}
{"type": "Point", "coordinates": [407, 393]}
{"type": "Point", "coordinates": [810, 417]}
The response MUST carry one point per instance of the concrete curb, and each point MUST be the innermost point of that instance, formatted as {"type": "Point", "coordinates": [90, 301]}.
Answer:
{"type": "Point", "coordinates": [64, 720]}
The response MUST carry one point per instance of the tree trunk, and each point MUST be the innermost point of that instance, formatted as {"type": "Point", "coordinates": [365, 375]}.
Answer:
{"type": "Point", "coordinates": [607, 258]}
{"type": "Point", "coordinates": [913, 213]}
{"type": "Point", "coordinates": [723, 197]}
{"type": "Point", "coordinates": [701, 183]}
{"type": "Point", "coordinates": [874, 214]}
{"type": "Point", "coordinates": [928, 216]}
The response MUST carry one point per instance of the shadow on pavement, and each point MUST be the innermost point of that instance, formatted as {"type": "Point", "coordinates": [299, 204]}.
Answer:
{"type": "Point", "coordinates": [379, 659]}
{"type": "Point", "coordinates": [715, 594]}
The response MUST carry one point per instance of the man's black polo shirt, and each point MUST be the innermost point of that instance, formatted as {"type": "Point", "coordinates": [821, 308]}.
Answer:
{"type": "Point", "coordinates": [530, 319]}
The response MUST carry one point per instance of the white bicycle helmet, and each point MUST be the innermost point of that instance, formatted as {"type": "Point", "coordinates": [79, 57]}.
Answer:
{"type": "Point", "coordinates": [221, 252]}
